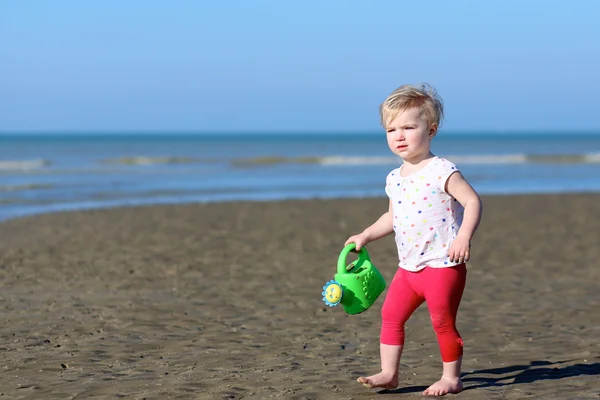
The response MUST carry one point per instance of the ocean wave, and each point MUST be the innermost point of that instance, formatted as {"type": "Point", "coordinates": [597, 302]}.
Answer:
{"type": "Point", "coordinates": [565, 158]}
{"type": "Point", "coordinates": [345, 160]}
{"type": "Point", "coordinates": [463, 159]}
{"type": "Point", "coordinates": [317, 160]}
{"type": "Point", "coordinates": [29, 186]}
{"type": "Point", "coordinates": [475, 159]}
{"type": "Point", "coordinates": [466, 159]}
{"type": "Point", "coordinates": [168, 160]}
{"type": "Point", "coordinates": [22, 165]}
{"type": "Point", "coordinates": [268, 160]}
{"type": "Point", "coordinates": [489, 159]}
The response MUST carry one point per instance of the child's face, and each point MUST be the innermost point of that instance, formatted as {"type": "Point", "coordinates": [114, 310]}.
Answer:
{"type": "Point", "coordinates": [409, 135]}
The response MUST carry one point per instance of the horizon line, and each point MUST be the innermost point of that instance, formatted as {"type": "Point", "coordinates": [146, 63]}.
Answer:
{"type": "Point", "coordinates": [114, 132]}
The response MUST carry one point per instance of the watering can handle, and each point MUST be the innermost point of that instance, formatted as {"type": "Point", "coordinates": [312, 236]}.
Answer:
{"type": "Point", "coordinates": [345, 251]}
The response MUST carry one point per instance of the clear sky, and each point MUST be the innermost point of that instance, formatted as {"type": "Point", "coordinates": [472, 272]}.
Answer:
{"type": "Point", "coordinates": [255, 65]}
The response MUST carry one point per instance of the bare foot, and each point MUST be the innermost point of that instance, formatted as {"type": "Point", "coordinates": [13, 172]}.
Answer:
{"type": "Point", "coordinates": [380, 380]}
{"type": "Point", "coordinates": [444, 386]}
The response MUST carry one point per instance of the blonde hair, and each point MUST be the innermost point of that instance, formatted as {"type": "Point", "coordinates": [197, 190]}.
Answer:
{"type": "Point", "coordinates": [422, 96]}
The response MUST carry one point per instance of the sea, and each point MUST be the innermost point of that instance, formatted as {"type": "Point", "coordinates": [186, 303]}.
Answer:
{"type": "Point", "coordinates": [43, 173]}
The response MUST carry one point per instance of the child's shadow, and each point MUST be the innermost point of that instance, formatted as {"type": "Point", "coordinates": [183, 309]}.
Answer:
{"type": "Point", "coordinates": [534, 371]}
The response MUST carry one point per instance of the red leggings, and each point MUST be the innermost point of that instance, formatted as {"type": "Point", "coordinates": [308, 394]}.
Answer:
{"type": "Point", "coordinates": [442, 289]}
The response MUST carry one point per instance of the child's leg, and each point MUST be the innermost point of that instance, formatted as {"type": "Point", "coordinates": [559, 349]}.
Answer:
{"type": "Point", "coordinates": [400, 302]}
{"type": "Point", "coordinates": [443, 293]}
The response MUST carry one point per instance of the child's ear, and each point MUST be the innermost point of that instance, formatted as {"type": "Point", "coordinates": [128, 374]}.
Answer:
{"type": "Point", "coordinates": [433, 130]}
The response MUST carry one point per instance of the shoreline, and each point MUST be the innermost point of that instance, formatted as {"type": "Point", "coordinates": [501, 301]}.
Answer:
{"type": "Point", "coordinates": [73, 209]}
{"type": "Point", "coordinates": [223, 300]}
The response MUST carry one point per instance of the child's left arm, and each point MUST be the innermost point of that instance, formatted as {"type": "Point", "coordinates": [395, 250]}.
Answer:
{"type": "Point", "coordinates": [461, 190]}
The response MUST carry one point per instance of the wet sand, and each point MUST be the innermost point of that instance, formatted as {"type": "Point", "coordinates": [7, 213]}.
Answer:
{"type": "Point", "coordinates": [223, 301]}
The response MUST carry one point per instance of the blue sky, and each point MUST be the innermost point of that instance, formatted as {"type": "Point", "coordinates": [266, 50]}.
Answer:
{"type": "Point", "coordinates": [294, 66]}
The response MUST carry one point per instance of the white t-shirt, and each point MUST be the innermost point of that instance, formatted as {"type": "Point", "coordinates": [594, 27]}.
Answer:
{"type": "Point", "coordinates": [425, 218]}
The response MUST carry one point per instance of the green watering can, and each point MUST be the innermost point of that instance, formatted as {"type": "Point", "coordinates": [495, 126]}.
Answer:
{"type": "Point", "coordinates": [357, 285]}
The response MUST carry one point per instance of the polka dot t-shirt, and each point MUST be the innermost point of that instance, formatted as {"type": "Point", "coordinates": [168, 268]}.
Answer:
{"type": "Point", "coordinates": [425, 218]}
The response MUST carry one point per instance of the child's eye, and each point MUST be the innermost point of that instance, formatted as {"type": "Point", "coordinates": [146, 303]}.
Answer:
{"type": "Point", "coordinates": [409, 127]}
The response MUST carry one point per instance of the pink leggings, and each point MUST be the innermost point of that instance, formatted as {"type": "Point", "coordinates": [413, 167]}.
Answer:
{"type": "Point", "coordinates": [442, 289]}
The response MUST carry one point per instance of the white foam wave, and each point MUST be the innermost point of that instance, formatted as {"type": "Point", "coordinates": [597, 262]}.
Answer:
{"type": "Point", "coordinates": [141, 160]}
{"type": "Point", "coordinates": [466, 159]}
{"type": "Point", "coordinates": [473, 159]}
{"type": "Point", "coordinates": [489, 159]}
{"type": "Point", "coordinates": [592, 158]}
{"type": "Point", "coordinates": [344, 160]}
{"type": "Point", "coordinates": [22, 165]}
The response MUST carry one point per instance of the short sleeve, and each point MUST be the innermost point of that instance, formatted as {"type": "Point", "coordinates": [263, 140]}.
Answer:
{"type": "Point", "coordinates": [389, 182]}
{"type": "Point", "coordinates": [442, 171]}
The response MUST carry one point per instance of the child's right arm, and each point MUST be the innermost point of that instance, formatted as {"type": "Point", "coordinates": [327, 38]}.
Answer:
{"type": "Point", "coordinates": [382, 227]}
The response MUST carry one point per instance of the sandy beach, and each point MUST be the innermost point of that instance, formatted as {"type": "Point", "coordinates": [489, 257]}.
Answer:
{"type": "Point", "coordinates": [223, 301]}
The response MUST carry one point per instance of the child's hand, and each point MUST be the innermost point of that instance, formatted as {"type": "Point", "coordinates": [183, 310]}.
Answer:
{"type": "Point", "coordinates": [360, 240]}
{"type": "Point", "coordinates": [460, 250]}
